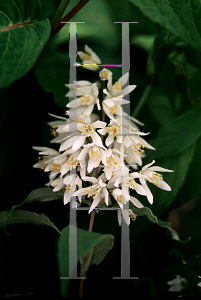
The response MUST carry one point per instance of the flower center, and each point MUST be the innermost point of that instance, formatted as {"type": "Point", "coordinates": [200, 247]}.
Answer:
{"type": "Point", "coordinates": [113, 109]}
{"type": "Point", "coordinates": [94, 155]}
{"type": "Point", "coordinates": [130, 182]}
{"type": "Point", "coordinates": [70, 188]}
{"type": "Point", "coordinates": [86, 57]}
{"type": "Point", "coordinates": [71, 162]}
{"type": "Point", "coordinates": [112, 162]}
{"type": "Point", "coordinates": [92, 191]}
{"type": "Point", "coordinates": [53, 131]}
{"type": "Point", "coordinates": [79, 120]}
{"type": "Point", "coordinates": [155, 177]}
{"type": "Point", "coordinates": [138, 149]}
{"type": "Point", "coordinates": [120, 198]}
{"type": "Point", "coordinates": [43, 165]}
{"type": "Point", "coordinates": [85, 100]}
{"type": "Point", "coordinates": [87, 129]}
{"type": "Point", "coordinates": [104, 74]}
{"type": "Point", "coordinates": [117, 86]}
{"type": "Point", "coordinates": [113, 130]}
{"type": "Point", "coordinates": [56, 167]}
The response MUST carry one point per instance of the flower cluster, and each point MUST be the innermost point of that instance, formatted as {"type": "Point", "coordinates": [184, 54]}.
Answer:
{"type": "Point", "coordinates": [107, 162]}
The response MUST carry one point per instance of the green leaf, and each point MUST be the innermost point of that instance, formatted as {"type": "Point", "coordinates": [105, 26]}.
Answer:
{"type": "Point", "coordinates": [145, 211]}
{"type": "Point", "coordinates": [21, 216]}
{"type": "Point", "coordinates": [193, 261]}
{"type": "Point", "coordinates": [86, 241]}
{"type": "Point", "coordinates": [191, 187]}
{"type": "Point", "coordinates": [22, 38]}
{"type": "Point", "coordinates": [43, 194]}
{"type": "Point", "coordinates": [97, 253]}
{"type": "Point", "coordinates": [52, 73]}
{"type": "Point", "coordinates": [180, 165]}
{"type": "Point", "coordinates": [176, 135]}
{"type": "Point", "coordinates": [181, 18]}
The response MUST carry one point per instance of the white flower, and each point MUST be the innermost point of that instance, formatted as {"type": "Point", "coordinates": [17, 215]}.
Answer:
{"type": "Point", "coordinates": [117, 194]}
{"type": "Point", "coordinates": [89, 60]}
{"type": "Point", "coordinates": [84, 130]}
{"type": "Point", "coordinates": [113, 106]}
{"type": "Point", "coordinates": [113, 162]}
{"type": "Point", "coordinates": [96, 156]}
{"type": "Point", "coordinates": [199, 284]}
{"type": "Point", "coordinates": [103, 74]}
{"type": "Point", "coordinates": [79, 88]}
{"type": "Point", "coordinates": [121, 177]}
{"type": "Point", "coordinates": [116, 89]}
{"type": "Point", "coordinates": [96, 191]}
{"type": "Point", "coordinates": [69, 183]}
{"type": "Point", "coordinates": [113, 130]}
{"type": "Point", "coordinates": [178, 284]}
{"type": "Point", "coordinates": [148, 174]}
{"type": "Point", "coordinates": [87, 101]}
{"type": "Point", "coordinates": [48, 153]}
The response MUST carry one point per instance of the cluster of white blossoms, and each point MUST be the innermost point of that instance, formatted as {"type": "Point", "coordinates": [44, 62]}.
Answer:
{"type": "Point", "coordinates": [106, 162]}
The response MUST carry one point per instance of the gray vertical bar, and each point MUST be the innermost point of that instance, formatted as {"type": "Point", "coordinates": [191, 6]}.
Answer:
{"type": "Point", "coordinates": [125, 68]}
{"type": "Point", "coordinates": [125, 242]}
{"type": "Point", "coordinates": [72, 128]}
{"type": "Point", "coordinates": [73, 73]}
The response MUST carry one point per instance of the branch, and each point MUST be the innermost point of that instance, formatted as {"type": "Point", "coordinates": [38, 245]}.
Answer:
{"type": "Point", "coordinates": [70, 15]}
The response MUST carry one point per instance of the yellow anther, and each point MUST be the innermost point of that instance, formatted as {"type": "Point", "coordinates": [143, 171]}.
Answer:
{"type": "Point", "coordinates": [113, 109]}
{"type": "Point", "coordinates": [117, 86]}
{"type": "Point", "coordinates": [86, 57]}
{"type": "Point", "coordinates": [104, 74]}
{"type": "Point", "coordinates": [113, 130]}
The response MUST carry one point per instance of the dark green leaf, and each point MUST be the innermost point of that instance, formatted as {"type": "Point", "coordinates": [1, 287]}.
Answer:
{"type": "Point", "coordinates": [191, 187]}
{"type": "Point", "coordinates": [181, 18]}
{"type": "Point", "coordinates": [193, 261]}
{"type": "Point", "coordinates": [86, 241]}
{"type": "Point", "coordinates": [21, 216]}
{"type": "Point", "coordinates": [22, 38]}
{"type": "Point", "coordinates": [97, 253]}
{"type": "Point", "coordinates": [176, 135]}
{"type": "Point", "coordinates": [180, 165]}
{"type": "Point", "coordinates": [43, 195]}
{"type": "Point", "coordinates": [145, 211]}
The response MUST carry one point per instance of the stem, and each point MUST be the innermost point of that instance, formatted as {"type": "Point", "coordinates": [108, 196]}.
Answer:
{"type": "Point", "coordinates": [142, 100]}
{"type": "Point", "coordinates": [84, 258]}
{"type": "Point", "coordinates": [70, 15]}
{"type": "Point", "coordinates": [59, 13]}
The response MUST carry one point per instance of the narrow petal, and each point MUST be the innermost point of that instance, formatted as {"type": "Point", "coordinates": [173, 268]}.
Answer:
{"type": "Point", "coordinates": [136, 202]}
{"type": "Point", "coordinates": [96, 139]}
{"type": "Point", "coordinates": [95, 202]}
{"type": "Point", "coordinates": [99, 124]}
{"type": "Point", "coordinates": [79, 142]}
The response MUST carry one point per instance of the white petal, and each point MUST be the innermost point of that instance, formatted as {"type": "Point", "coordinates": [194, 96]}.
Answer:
{"type": "Point", "coordinates": [139, 189]}
{"type": "Point", "coordinates": [159, 169]}
{"type": "Point", "coordinates": [79, 142]}
{"type": "Point", "coordinates": [83, 153]}
{"type": "Point", "coordinates": [109, 140]}
{"type": "Point", "coordinates": [105, 192]}
{"type": "Point", "coordinates": [136, 202]}
{"type": "Point", "coordinates": [128, 89]}
{"type": "Point", "coordinates": [91, 179]}
{"type": "Point", "coordinates": [96, 139]}
{"type": "Point", "coordinates": [148, 165]}
{"type": "Point", "coordinates": [99, 124]}
{"type": "Point", "coordinates": [103, 131]}
{"type": "Point", "coordinates": [125, 192]}
{"type": "Point", "coordinates": [95, 202]}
